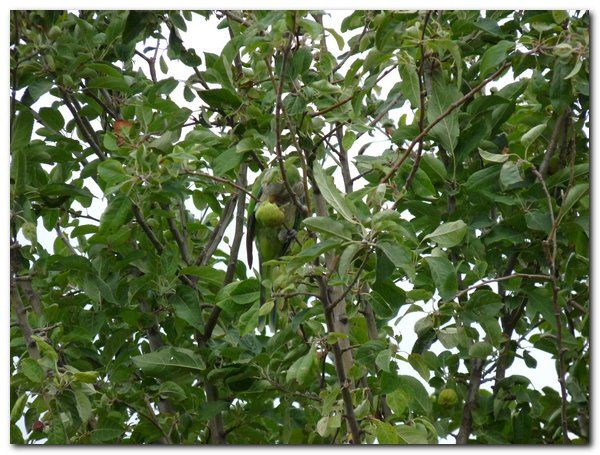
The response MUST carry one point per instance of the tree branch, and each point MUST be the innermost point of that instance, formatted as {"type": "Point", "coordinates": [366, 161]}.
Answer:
{"type": "Point", "coordinates": [441, 117]}
{"type": "Point", "coordinates": [503, 278]}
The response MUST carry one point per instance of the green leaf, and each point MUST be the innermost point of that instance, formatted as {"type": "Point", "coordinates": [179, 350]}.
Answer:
{"type": "Point", "coordinates": [442, 96]}
{"type": "Point", "coordinates": [117, 214]}
{"type": "Point", "coordinates": [448, 234]}
{"type": "Point", "coordinates": [187, 307]}
{"type": "Point", "coordinates": [493, 157]}
{"type": "Point", "coordinates": [444, 276]}
{"type": "Point", "coordinates": [32, 370]}
{"type": "Point", "coordinates": [88, 377]}
{"type": "Point", "coordinates": [220, 98]}
{"type": "Point", "coordinates": [22, 129]}
{"type": "Point", "coordinates": [248, 144]}
{"type": "Point", "coordinates": [575, 69]}
{"type": "Point", "coordinates": [574, 194]}
{"type": "Point", "coordinates": [168, 360]}
{"type": "Point", "coordinates": [347, 257]}
{"type": "Point", "coordinates": [480, 350]}
{"type": "Point", "coordinates": [301, 370]}
{"type": "Point", "coordinates": [113, 174]}
{"type": "Point", "coordinates": [383, 359]}
{"type": "Point", "coordinates": [420, 401]}
{"type": "Point", "coordinates": [249, 320]}
{"type": "Point", "coordinates": [109, 82]}
{"type": "Point", "coordinates": [106, 435]}
{"type": "Point", "coordinates": [510, 174]}
{"type": "Point", "coordinates": [538, 221]}
{"type": "Point", "coordinates": [328, 226]}
{"type": "Point", "coordinates": [17, 410]}
{"type": "Point", "coordinates": [415, 434]}
{"type": "Point", "coordinates": [494, 56]}
{"type": "Point", "coordinates": [416, 361]}
{"type": "Point", "coordinates": [530, 136]}
{"type": "Point", "coordinates": [398, 401]}
{"type": "Point", "coordinates": [332, 194]}
{"type": "Point", "coordinates": [52, 118]}
{"type": "Point", "coordinates": [399, 255]}
{"type": "Point", "coordinates": [83, 405]}
{"type": "Point", "coordinates": [134, 24]}
{"type": "Point", "coordinates": [385, 433]}
{"type": "Point", "coordinates": [348, 139]}
{"type": "Point", "coordinates": [226, 161]}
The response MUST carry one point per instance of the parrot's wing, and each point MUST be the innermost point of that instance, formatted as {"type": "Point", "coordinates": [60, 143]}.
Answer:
{"type": "Point", "coordinates": [297, 219]}
{"type": "Point", "coordinates": [251, 228]}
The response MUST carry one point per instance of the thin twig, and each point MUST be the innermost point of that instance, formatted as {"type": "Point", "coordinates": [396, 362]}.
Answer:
{"type": "Point", "coordinates": [441, 117]}
{"type": "Point", "coordinates": [219, 180]}
{"type": "Point", "coordinates": [422, 92]}
{"type": "Point", "coordinates": [278, 105]}
{"type": "Point", "coordinates": [503, 278]}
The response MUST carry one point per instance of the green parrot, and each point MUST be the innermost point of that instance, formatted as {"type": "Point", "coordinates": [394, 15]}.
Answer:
{"type": "Point", "coordinates": [273, 219]}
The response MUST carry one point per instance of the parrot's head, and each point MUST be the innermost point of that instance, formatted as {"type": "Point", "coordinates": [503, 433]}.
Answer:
{"type": "Point", "coordinates": [273, 174]}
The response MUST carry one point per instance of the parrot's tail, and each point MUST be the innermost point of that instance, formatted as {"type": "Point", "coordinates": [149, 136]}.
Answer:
{"type": "Point", "coordinates": [266, 273]}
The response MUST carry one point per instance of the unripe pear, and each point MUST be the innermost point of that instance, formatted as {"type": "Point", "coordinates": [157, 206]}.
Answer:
{"type": "Point", "coordinates": [268, 214]}
{"type": "Point", "coordinates": [447, 398]}
{"type": "Point", "coordinates": [54, 32]}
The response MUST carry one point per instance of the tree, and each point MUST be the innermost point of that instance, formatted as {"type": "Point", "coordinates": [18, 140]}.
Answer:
{"type": "Point", "coordinates": [460, 196]}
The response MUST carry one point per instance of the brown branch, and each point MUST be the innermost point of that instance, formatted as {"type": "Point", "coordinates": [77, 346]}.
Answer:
{"type": "Point", "coordinates": [333, 106]}
{"type": "Point", "coordinates": [550, 252]}
{"type": "Point", "coordinates": [146, 228]}
{"type": "Point", "coordinates": [217, 429]}
{"type": "Point", "coordinates": [151, 64]}
{"type": "Point", "coordinates": [233, 255]}
{"type": "Point", "coordinates": [178, 236]}
{"type": "Point", "coordinates": [234, 17]}
{"type": "Point", "coordinates": [466, 425]}
{"type": "Point", "coordinates": [278, 107]}
{"type": "Point", "coordinates": [218, 232]}
{"type": "Point", "coordinates": [219, 180]}
{"type": "Point", "coordinates": [23, 321]}
{"type": "Point", "coordinates": [83, 126]}
{"type": "Point", "coordinates": [64, 238]}
{"type": "Point", "coordinates": [560, 121]}
{"type": "Point", "coordinates": [422, 92]}
{"type": "Point", "coordinates": [344, 382]}
{"type": "Point", "coordinates": [441, 117]}
{"type": "Point", "coordinates": [503, 278]}
{"type": "Point", "coordinates": [343, 295]}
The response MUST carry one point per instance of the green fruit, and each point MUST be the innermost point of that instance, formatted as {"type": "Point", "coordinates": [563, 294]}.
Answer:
{"type": "Point", "coordinates": [447, 398]}
{"type": "Point", "coordinates": [29, 232]}
{"type": "Point", "coordinates": [54, 32]}
{"type": "Point", "coordinates": [269, 215]}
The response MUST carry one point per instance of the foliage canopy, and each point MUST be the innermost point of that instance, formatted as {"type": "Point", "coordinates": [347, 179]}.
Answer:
{"type": "Point", "coordinates": [141, 323]}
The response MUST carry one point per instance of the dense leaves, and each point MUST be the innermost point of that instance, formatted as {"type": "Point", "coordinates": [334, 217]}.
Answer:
{"type": "Point", "coordinates": [437, 274]}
